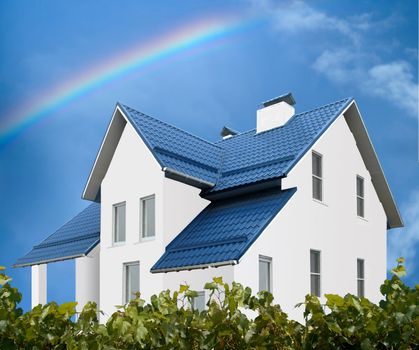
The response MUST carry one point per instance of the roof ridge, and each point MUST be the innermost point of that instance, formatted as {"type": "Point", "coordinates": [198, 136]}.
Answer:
{"type": "Point", "coordinates": [326, 105]}
{"type": "Point", "coordinates": [171, 125]}
{"type": "Point", "coordinates": [300, 113]}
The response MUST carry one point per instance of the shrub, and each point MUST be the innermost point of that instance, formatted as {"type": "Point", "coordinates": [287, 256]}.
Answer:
{"type": "Point", "coordinates": [168, 321]}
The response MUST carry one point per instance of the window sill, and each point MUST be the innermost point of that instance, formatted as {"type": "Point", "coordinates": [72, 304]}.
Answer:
{"type": "Point", "coordinates": [319, 202]}
{"type": "Point", "coordinates": [146, 239]}
{"type": "Point", "coordinates": [117, 244]}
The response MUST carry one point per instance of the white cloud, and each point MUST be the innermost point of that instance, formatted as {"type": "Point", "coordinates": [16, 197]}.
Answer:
{"type": "Point", "coordinates": [296, 16]}
{"type": "Point", "coordinates": [337, 65]}
{"type": "Point", "coordinates": [353, 61]}
{"type": "Point", "coordinates": [403, 242]}
{"type": "Point", "coordinates": [394, 81]}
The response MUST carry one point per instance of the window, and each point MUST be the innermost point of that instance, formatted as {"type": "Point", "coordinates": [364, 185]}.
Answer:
{"type": "Point", "coordinates": [315, 272]}
{"type": "Point", "coordinates": [119, 223]}
{"type": "Point", "coordinates": [198, 302]}
{"type": "Point", "coordinates": [360, 278]}
{"type": "Point", "coordinates": [265, 273]}
{"type": "Point", "coordinates": [317, 176]}
{"type": "Point", "coordinates": [360, 196]}
{"type": "Point", "coordinates": [147, 217]}
{"type": "Point", "coordinates": [131, 280]}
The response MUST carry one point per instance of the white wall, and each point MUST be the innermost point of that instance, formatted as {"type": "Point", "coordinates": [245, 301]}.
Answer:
{"type": "Point", "coordinates": [196, 279]}
{"type": "Point", "coordinates": [38, 284]}
{"type": "Point", "coordinates": [182, 204]}
{"type": "Point", "coordinates": [332, 227]}
{"type": "Point", "coordinates": [87, 278]}
{"type": "Point", "coordinates": [134, 173]}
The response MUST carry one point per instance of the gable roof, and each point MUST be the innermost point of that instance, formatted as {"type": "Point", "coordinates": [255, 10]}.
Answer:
{"type": "Point", "coordinates": [242, 160]}
{"type": "Point", "coordinates": [223, 231]}
{"type": "Point", "coordinates": [251, 157]}
{"type": "Point", "coordinates": [74, 239]}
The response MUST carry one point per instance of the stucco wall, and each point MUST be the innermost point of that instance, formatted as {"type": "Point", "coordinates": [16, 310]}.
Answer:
{"type": "Point", "coordinates": [303, 224]}
{"type": "Point", "coordinates": [332, 227]}
{"type": "Point", "coordinates": [87, 278]}
{"type": "Point", "coordinates": [134, 173]}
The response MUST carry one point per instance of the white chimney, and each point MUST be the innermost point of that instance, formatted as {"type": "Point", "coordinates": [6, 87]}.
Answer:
{"type": "Point", "coordinates": [275, 113]}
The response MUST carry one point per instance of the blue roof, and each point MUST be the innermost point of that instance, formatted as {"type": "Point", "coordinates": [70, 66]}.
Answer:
{"type": "Point", "coordinates": [223, 231]}
{"type": "Point", "coordinates": [243, 159]}
{"type": "Point", "coordinates": [175, 148]}
{"type": "Point", "coordinates": [252, 157]}
{"type": "Point", "coordinates": [227, 227]}
{"type": "Point", "coordinates": [76, 238]}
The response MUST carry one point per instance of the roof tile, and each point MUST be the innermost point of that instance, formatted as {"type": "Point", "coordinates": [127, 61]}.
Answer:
{"type": "Point", "coordinates": [224, 230]}
{"type": "Point", "coordinates": [75, 238]}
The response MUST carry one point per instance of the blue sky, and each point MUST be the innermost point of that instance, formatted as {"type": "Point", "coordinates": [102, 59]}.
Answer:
{"type": "Point", "coordinates": [320, 50]}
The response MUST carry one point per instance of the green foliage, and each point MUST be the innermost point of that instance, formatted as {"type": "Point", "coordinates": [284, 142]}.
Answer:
{"type": "Point", "coordinates": [234, 319]}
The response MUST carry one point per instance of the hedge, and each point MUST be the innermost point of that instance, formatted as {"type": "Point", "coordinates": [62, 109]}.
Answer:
{"type": "Point", "coordinates": [168, 322]}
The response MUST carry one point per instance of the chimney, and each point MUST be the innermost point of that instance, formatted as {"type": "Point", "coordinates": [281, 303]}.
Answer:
{"type": "Point", "coordinates": [275, 113]}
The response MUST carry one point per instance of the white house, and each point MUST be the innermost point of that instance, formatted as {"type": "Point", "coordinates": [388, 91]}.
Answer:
{"type": "Point", "coordinates": [298, 205]}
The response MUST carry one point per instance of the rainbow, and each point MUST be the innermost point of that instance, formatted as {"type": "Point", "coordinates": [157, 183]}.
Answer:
{"type": "Point", "coordinates": [191, 36]}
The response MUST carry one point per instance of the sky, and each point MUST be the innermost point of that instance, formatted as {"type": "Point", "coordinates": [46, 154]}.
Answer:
{"type": "Point", "coordinates": [64, 65]}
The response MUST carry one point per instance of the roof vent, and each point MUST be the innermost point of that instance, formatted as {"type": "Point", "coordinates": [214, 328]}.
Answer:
{"type": "Point", "coordinates": [275, 113]}
{"type": "Point", "coordinates": [226, 132]}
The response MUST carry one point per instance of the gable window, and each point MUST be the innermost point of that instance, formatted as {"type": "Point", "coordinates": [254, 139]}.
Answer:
{"type": "Point", "coordinates": [131, 280]}
{"type": "Point", "coordinates": [315, 272]}
{"type": "Point", "coordinates": [360, 274]}
{"type": "Point", "coordinates": [147, 217]}
{"type": "Point", "coordinates": [119, 223]}
{"type": "Point", "coordinates": [198, 302]}
{"type": "Point", "coordinates": [360, 196]}
{"type": "Point", "coordinates": [265, 273]}
{"type": "Point", "coordinates": [317, 176]}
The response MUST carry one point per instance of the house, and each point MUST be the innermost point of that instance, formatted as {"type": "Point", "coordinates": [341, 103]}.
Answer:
{"type": "Point", "coordinates": [298, 205]}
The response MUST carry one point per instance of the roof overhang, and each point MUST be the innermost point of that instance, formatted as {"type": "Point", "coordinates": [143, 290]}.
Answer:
{"type": "Point", "coordinates": [104, 155]}
{"type": "Point", "coordinates": [196, 267]}
{"type": "Point", "coordinates": [356, 125]}
{"type": "Point", "coordinates": [47, 261]}
{"type": "Point", "coordinates": [190, 180]}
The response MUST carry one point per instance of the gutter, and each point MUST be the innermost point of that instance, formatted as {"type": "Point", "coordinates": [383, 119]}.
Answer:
{"type": "Point", "coordinates": [195, 267]}
{"type": "Point", "coordinates": [191, 180]}
{"type": "Point", "coordinates": [49, 260]}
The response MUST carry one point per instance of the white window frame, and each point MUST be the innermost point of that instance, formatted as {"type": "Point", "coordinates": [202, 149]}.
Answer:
{"type": "Point", "coordinates": [200, 294]}
{"type": "Point", "coordinates": [358, 196]}
{"type": "Point", "coordinates": [319, 274]}
{"type": "Point", "coordinates": [114, 229]}
{"type": "Point", "coordinates": [125, 266]}
{"type": "Point", "coordinates": [266, 259]}
{"type": "Point", "coordinates": [360, 279]}
{"type": "Point", "coordinates": [320, 178]}
{"type": "Point", "coordinates": [142, 200]}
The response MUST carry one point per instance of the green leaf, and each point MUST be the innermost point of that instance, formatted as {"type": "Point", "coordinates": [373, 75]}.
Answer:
{"type": "Point", "coordinates": [68, 309]}
{"type": "Point", "coordinates": [183, 288]}
{"type": "Point", "coordinates": [4, 279]}
{"type": "Point", "coordinates": [140, 333]}
{"type": "Point", "coordinates": [218, 280]}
